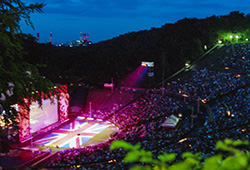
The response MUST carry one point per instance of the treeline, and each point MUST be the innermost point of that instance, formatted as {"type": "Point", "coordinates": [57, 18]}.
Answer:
{"type": "Point", "coordinates": [169, 47]}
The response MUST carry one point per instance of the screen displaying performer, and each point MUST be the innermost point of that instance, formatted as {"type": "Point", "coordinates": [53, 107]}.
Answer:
{"type": "Point", "coordinates": [43, 116]}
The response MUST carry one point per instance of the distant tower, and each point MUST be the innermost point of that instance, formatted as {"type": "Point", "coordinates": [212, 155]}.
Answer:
{"type": "Point", "coordinates": [81, 36]}
{"type": "Point", "coordinates": [84, 36]}
{"type": "Point", "coordinates": [50, 37]}
{"type": "Point", "coordinates": [87, 36]}
{"type": "Point", "coordinates": [37, 37]}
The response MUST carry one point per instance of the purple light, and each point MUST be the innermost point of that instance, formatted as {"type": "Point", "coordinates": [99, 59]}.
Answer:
{"type": "Point", "coordinates": [135, 77]}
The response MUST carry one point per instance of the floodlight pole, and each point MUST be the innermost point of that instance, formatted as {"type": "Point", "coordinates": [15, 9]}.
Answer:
{"type": "Point", "coordinates": [90, 109]}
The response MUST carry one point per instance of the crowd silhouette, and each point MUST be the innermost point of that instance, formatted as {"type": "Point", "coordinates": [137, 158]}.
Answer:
{"type": "Point", "coordinates": [214, 105]}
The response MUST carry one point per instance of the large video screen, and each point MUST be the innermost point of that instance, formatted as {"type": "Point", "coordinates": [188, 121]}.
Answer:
{"type": "Point", "coordinates": [41, 117]}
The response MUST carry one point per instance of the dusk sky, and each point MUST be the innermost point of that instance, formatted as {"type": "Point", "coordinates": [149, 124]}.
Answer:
{"type": "Point", "coordinates": [105, 19]}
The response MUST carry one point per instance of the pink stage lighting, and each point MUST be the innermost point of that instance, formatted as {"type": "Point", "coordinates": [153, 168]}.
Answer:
{"type": "Point", "coordinates": [134, 78]}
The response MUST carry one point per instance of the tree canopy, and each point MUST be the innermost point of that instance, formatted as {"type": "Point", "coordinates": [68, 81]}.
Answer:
{"type": "Point", "coordinates": [19, 79]}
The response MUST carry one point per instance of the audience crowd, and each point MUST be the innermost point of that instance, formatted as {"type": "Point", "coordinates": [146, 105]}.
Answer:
{"type": "Point", "coordinates": [225, 95]}
{"type": "Point", "coordinates": [238, 58]}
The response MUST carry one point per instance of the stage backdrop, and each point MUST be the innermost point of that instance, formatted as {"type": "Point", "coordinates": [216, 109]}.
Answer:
{"type": "Point", "coordinates": [42, 117]}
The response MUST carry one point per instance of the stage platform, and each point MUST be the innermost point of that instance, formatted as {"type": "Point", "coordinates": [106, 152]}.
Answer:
{"type": "Point", "coordinates": [73, 135]}
{"type": "Point", "coordinates": [79, 133]}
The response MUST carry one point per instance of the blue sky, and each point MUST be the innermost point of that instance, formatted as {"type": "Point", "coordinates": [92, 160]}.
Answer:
{"type": "Point", "coordinates": [105, 19]}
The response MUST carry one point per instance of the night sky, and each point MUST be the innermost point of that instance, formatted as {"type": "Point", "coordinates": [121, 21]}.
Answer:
{"type": "Point", "coordinates": [105, 19]}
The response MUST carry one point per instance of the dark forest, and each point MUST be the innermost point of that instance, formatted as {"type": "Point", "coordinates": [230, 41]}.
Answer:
{"type": "Point", "coordinates": [169, 47]}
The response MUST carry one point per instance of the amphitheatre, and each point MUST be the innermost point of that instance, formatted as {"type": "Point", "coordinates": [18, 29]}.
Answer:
{"type": "Point", "coordinates": [209, 100]}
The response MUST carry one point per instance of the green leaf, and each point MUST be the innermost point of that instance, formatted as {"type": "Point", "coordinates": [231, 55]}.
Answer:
{"type": "Point", "coordinates": [197, 156]}
{"type": "Point", "coordinates": [187, 154]}
{"type": "Point", "coordinates": [242, 161]}
{"type": "Point", "coordinates": [228, 163]}
{"type": "Point", "coordinates": [239, 142]}
{"type": "Point", "coordinates": [136, 147]}
{"type": "Point", "coordinates": [167, 157]}
{"type": "Point", "coordinates": [145, 153]}
{"type": "Point", "coordinates": [191, 161]}
{"type": "Point", "coordinates": [212, 162]}
{"type": "Point", "coordinates": [121, 144]}
{"type": "Point", "coordinates": [228, 141]}
{"type": "Point", "coordinates": [179, 166]}
{"type": "Point", "coordinates": [221, 145]}
{"type": "Point", "coordinates": [246, 142]}
{"type": "Point", "coordinates": [132, 156]}
{"type": "Point", "coordinates": [146, 159]}
{"type": "Point", "coordinates": [140, 167]}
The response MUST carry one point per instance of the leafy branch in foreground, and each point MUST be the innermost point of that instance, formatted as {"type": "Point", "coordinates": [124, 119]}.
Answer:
{"type": "Point", "coordinates": [19, 79]}
{"type": "Point", "coordinates": [232, 159]}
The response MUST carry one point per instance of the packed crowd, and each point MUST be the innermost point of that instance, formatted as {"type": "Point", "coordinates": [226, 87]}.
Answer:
{"type": "Point", "coordinates": [150, 106]}
{"type": "Point", "coordinates": [225, 95]}
{"type": "Point", "coordinates": [238, 58]}
{"type": "Point", "coordinates": [208, 84]}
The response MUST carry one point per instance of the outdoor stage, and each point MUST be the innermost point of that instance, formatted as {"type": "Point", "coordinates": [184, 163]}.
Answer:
{"type": "Point", "coordinates": [79, 133]}
{"type": "Point", "coordinates": [66, 133]}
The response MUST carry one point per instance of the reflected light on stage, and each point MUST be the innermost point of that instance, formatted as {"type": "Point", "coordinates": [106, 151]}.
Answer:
{"type": "Point", "coordinates": [73, 135]}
